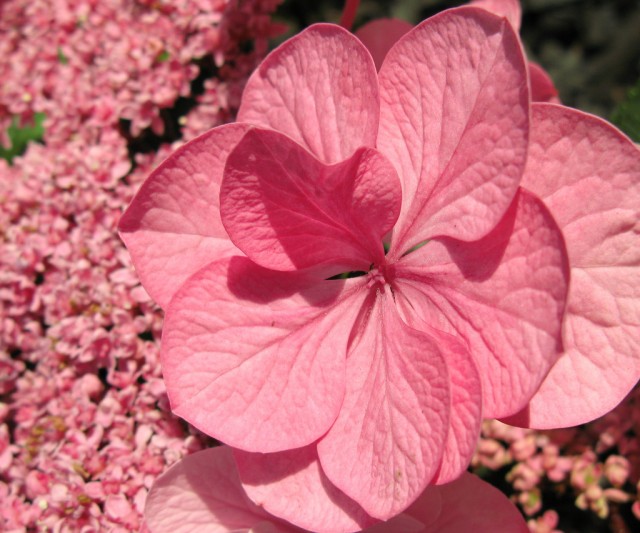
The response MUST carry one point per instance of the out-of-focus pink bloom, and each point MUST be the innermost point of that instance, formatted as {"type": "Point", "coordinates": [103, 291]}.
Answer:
{"type": "Point", "coordinates": [616, 470]}
{"type": "Point", "coordinates": [547, 523]}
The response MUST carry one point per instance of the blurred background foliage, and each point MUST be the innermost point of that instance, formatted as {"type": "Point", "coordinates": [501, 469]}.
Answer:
{"type": "Point", "coordinates": [591, 48]}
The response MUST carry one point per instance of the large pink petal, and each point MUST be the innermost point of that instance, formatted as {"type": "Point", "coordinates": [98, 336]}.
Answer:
{"type": "Point", "coordinates": [292, 486]}
{"type": "Point", "coordinates": [588, 175]}
{"type": "Point", "coordinates": [505, 8]}
{"type": "Point", "coordinates": [256, 358]}
{"type": "Point", "coordinates": [470, 504]}
{"type": "Point", "coordinates": [380, 35]}
{"type": "Point", "coordinates": [454, 121]}
{"type": "Point", "coordinates": [172, 227]}
{"type": "Point", "coordinates": [202, 494]}
{"type": "Point", "coordinates": [320, 88]}
{"type": "Point", "coordinates": [504, 295]}
{"type": "Point", "coordinates": [286, 210]}
{"type": "Point", "coordinates": [387, 442]}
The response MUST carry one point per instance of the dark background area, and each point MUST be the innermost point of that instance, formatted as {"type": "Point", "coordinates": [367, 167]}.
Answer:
{"type": "Point", "coordinates": [591, 48]}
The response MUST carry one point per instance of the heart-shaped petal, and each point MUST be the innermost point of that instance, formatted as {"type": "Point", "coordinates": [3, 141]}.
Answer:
{"type": "Point", "coordinates": [288, 211]}
{"type": "Point", "coordinates": [321, 89]}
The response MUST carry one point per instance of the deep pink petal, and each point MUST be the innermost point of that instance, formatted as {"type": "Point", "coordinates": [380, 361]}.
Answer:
{"type": "Point", "coordinates": [542, 87]}
{"type": "Point", "coordinates": [320, 88]}
{"type": "Point", "coordinates": [470, 504]}
{"type": "Point", "coordinates": [172, 227]}
{"type": "Point", "coordinates": [291, 485]}
{"type": "Point", "coordinates": [380, 35]}
{"type": "Point", "coordinates": [588, 174]}
{"type": "Point", "coordinates": [256, 358]}
{"type": "Point", "coordinates": [202, 494]}
{"type": "Point", "coordinates": [504, 295]}
{"type": "Point", "coordinates": [286, 210]}
{"type": "Point", "coordinates": [454, 122]}
{"type": "Point", "coordinates": [505, 8]}
{"type": "Point", "coordinates": [387, 442]}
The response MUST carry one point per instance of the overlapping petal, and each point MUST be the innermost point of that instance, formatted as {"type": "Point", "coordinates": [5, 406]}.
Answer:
{"type": "Point", "coordinates": [321, 89]}
{"type": "Point", "coordinates": [454, 122]}
{"type": "Point", "coordinates": [588, 175]}
{"type": "Point", "coordinates": [510, 9]}
{"type": "Point", "coordinates": [291, 485]}
{"type": "Point", "coordinates": [380, 35]}
{"type": "Point", "coordinates": [288, 211]}
{"type": "Point", "coordinates": [255, 357]}
{"type": "Point", "coordinates": [202, 494]}
{"type": "Point", "coordinates": [504, 295]}
{"type": "Point", "coordinates": [172, 227]}
{"type": "Point", "coordinates": [386, 444]}
{"type": "Point", "coordinates": [470, 504]}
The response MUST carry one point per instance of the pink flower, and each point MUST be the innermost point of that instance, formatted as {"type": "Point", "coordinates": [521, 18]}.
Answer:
{"type": "Point", "coordinates": [206, 493]}
{"type": "Point", "coordinates": [363, 390]}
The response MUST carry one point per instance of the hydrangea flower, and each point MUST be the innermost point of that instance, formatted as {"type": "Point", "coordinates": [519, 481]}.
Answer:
{"type": "Point", "coordinates": [366, 388]}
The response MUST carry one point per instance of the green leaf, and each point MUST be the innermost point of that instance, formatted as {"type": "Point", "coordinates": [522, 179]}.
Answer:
{"type": "Point", "coordinates": [63, 59]}
{"type": "Point", "coordinates": [627, 115]}
{"type": "Point", "coordinates": [20, 136]}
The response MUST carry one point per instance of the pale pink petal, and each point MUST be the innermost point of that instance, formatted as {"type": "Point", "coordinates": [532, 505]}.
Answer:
{"type": "Point", "coordinates": [588, 174]}
{"type": "Point", "coordinates": [172, 227]}
{"type": "Point", "coordinates": [321, 89]}
{"type": "Point", "coordinates": [504, 295]}
{"type": "Point", "coordinates": [288, 211]}
{"type": "Point", "coordinates": [505, 8]}
{"type": "Point", "coordinates": [291, 485]}
{"type": "Point", "coordinates": [542, 87]}
{"type": "Point", "coordinates": [380, 35]}
{"type": "Point", "coordinates": [255, 357]}
{"type": "Point", "coordinates": [454, 122]}
{"type": "Point", "coordinates": [202, 494]}
{"type": "Point", "coordinates": [470, 504]}
{"type": "Point", "coordinates": [386, 444]}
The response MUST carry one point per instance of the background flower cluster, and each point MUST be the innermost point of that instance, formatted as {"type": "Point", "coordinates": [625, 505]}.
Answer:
{"type": "Point", "coordinates": [113, 86]}
{"type": "Point", "coordinates": [84, 421]}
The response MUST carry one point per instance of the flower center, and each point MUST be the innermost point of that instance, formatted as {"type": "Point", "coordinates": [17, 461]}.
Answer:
{"type": "Point", "coordinates": [380, 275]}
